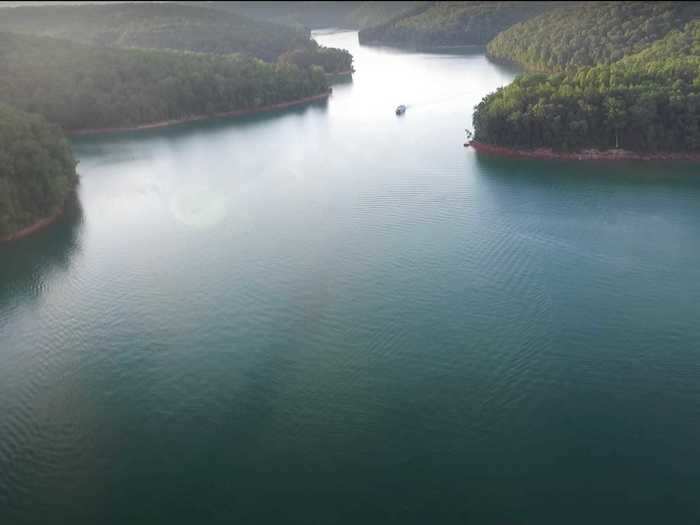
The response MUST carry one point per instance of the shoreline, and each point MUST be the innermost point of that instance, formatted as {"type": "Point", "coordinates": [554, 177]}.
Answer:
{"type": "Point", "coordinates": [197, 118]}
{"type": "Point", "coordinates": [523, 68]}
{"type": "Point", "coordinates": [587, 154]}
{"type": "Point", "coordinates": [38, 226]}
{"type": "Point", "coordinates": [419, 49]}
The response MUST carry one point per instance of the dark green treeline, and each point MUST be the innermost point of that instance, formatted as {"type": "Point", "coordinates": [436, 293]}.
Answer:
{"type": "Point", "coordinates": [646, 101]}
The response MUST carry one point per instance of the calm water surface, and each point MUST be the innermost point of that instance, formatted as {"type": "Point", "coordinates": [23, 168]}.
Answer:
{"type": "Point", "coordinates": [336, 315]}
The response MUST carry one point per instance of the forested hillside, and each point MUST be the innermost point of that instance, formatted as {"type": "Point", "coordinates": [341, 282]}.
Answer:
{"type": "Point", "coordinates": [648, 101]}
{"type": "Point", "coordinates": [170, 26]}
{"type": "Point", "coordinates": [296, 14]}
{"type": "Point", "coordinates": [589, 33]}
{"type": "Point", "coordinates": [332, 60]}
{"type": "Point", "coordinates": [79, 86]}
{"type": "Point", "coordinates": [160, 26]}
{"type": "Point", "coordinates": [37, 170]}
{"type": "Point", "coordinates": [452, 23]}
{"type": "Point", "coordinates": [369, 14]}
{"type": "Point", "coordinates": [318, 14]}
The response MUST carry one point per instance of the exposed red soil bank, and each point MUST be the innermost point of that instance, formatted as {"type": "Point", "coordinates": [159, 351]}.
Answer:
{"type": "Point", "coordinates": [34, 228]}
{"type": "Point", "coordinates": [237, 113]}
{"type": "Point", "coordinates": [586, 154]}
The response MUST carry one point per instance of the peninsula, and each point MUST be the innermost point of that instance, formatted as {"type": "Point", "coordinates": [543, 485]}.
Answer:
{"type": "Point", "coordinates": [625, 90]}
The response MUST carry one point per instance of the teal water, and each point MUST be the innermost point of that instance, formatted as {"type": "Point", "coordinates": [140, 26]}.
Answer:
{"type": "Point", "coordinates": [336, 315]}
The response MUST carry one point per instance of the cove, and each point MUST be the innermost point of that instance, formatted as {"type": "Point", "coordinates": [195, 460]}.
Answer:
{"type": "Point", "coordinates": [331, 314]}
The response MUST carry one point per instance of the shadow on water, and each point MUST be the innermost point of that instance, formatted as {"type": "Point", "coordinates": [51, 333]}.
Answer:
{"type": "Point", "coordinates": [585, 173]}
{"type": "Point", "coordinates": [95, 144]}
{"type": "Point", "coordinates": [606, 196]}
{"type": "Point", "coordinates": [453, 50]}
{"type": "Point", "coordinates": [26, 265]}
{"type": "Point", "coordinates": [473, 50]}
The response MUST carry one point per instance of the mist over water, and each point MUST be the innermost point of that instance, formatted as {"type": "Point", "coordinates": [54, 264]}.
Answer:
{"type": "Point", "coordinates": [332, 314]}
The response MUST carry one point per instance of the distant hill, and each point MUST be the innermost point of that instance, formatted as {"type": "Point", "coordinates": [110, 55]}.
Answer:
{"type": "Point", "coordinates": [430, 24]}
{"type": "Point", "coordinates": [156, 25]}
{"type": "Point", "coordinates": [590, 33]}
{"type": "Point", "coordinates": [316, 15]}
{"type": "Point", "coordinates": [301, 15]}
{"type": "Point", "coordinates": [310, 15]}
{"type": "Point", "coordinates": [171, 26]}
{"type": "Point", "coordinates": [369, 14]}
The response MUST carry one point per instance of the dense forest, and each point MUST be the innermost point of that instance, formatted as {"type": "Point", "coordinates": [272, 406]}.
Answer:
{"type": "Point", "coordinates": [369, 14]}
{"type": "Point", "coordinates": [262, 29]}
{"type": "Point", "coordinates": [37, 170]}
{"type": "Point", "coordinates": [80, 86]}
{"type": "Point", "coordinates": [331, 60]}
{"type": "Point", "coordinates": [150, 25]}
{"type": "Point", "coordinates": [168, 26]}
{"type": "Point", "coordinates": [648, 101]}
{"type": "Point", "coordinates": [452, 23]}
{"type": "Point", "coordinates": [314, 14]}
{"type": "Point", "coordinates": [318, 14]}
{"type": "Point", "coordinates": [589, 33]}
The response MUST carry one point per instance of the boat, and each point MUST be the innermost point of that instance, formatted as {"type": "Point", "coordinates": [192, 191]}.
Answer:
{"type": "Point", "coordinates": [401, 110]}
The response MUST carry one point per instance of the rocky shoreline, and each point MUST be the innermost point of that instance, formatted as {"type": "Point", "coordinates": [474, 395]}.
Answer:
{"type": "Point", "coordinates": [196, 118]}
{"type": "Point", "coordinates": [587, 154]}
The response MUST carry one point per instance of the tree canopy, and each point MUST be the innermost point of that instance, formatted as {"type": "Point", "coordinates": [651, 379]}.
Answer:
{"type": "Point", "coordinates": [452, 23]}
{"type": "Point", "coordinates": [369, 14]}
{"type": "Point", "coordinates": [332, 60]}
{"type": "Point", "coordinates": [318, 14]}
{"type": "Point", "coordinates": [80, 86]}
{"type": "Point", "coordinates": [37, 169]}
{"type": "Point", "coordinates": [167, 26]}
{"type": "Point", "coordinates": [648, 101]}
{"type": "Point", "coordinates": [589, 33]}
{"type": "Point", "coordinates": [155, 25]}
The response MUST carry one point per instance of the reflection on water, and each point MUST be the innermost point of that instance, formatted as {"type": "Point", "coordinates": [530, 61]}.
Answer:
{"type": "Point", "coordinates": [465, 50]}
{"type": "Point", "coordinates": [101, 144]}
{"type": "Point", "coordinates": [519, 171]}
{"type": "Point", "coordinates": [28, 265]}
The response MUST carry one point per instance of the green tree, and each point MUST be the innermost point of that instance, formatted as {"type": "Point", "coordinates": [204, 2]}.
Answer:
{"type": "Point", "coordinates": [647, 101]}
{"type": "Point", "coordinates": [616, 115]}
{"type": "Point", "coordinates": [79, 86]}
{"type": "Point", "coordinates": [37, 169]}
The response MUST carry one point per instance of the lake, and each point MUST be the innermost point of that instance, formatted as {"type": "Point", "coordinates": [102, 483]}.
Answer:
{"type": "Point", "coordinates": [332, 314]}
